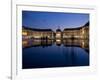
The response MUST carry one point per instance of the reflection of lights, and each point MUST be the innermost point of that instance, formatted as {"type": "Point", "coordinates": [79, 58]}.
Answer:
{"type": "Point", "coordinates": [24, 42]}
{"type": "Point", "coordinates": [83, 44]}
{"type": "Point", "coordinates": [24, 33]}
{"type": "Point", "coordinates": [58, 40]}
{"type": "Point", "coordinates": [37, 36]}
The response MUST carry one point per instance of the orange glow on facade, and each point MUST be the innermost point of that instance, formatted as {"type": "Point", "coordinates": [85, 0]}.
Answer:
{"type": "Point", "coordinates": [24, 33]}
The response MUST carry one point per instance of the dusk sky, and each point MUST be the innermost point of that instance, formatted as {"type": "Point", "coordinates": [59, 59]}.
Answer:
{"type": "Point", "coordinates": [53, 20]}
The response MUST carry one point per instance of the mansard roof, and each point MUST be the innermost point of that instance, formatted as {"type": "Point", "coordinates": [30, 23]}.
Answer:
{"type": "Point", "coordinates": [87, 24]}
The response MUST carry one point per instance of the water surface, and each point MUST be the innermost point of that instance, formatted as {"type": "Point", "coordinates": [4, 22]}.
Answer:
{"type": "Point", "coordinates": [50, 53]}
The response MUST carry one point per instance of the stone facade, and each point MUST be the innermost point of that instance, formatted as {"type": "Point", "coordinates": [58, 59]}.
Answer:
{"type": "Point", "coordinates": [76, 33]}
{"type": "Point", "coordinates": [37, 33]}
{"type": "Point", "coordinates": [68, 33]}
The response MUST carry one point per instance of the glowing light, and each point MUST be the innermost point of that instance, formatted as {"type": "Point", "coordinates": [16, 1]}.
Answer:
{"type": "Point", "coordinates": [24, 33]}
{"type": "Point", "coordinates": [37, 36]}
{"type": "Point", "coordinates": [77, 36]}
{"type": "Point", "coordinates": [83, 31]}
{"type": "Point", "coordinates": [48, 36]}
{"type": "Point", "coordinates": [83, 44]}
{"type": "Point", "coordinates": [58, 40]}
{"type": "Point", "coordinates": [57, 34]}
{"type": "Point", "coordinates": [24, 42]}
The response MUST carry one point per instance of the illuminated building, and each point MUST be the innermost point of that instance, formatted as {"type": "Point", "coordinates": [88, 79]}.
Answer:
{"type": "Point", "coordinates": [37, 33]}
{"type": "Point", "coordinates": [67, 33]}
{"type": "Point", "coordinates": [58, 34]}
{"type": "Point", "coordinates": [77, 33]}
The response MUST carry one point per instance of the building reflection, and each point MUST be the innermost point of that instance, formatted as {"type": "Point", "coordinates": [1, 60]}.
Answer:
{"type": "Point", "coordinates": [66, 43]}
{"type": "Point", "coordinates": [58, 42]}
{"type": "Point", "coordinates": [36, 43]}
{"type": "Point", "coordinates": [83, 43]}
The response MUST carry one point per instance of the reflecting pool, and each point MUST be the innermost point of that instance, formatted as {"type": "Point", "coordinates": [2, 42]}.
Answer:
{"type": "Point", "coordinates": [54, 53]}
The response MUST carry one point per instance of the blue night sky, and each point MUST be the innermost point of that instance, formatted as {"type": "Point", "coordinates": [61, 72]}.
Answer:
{"type": "Point", "coordinates": [53, 20]}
